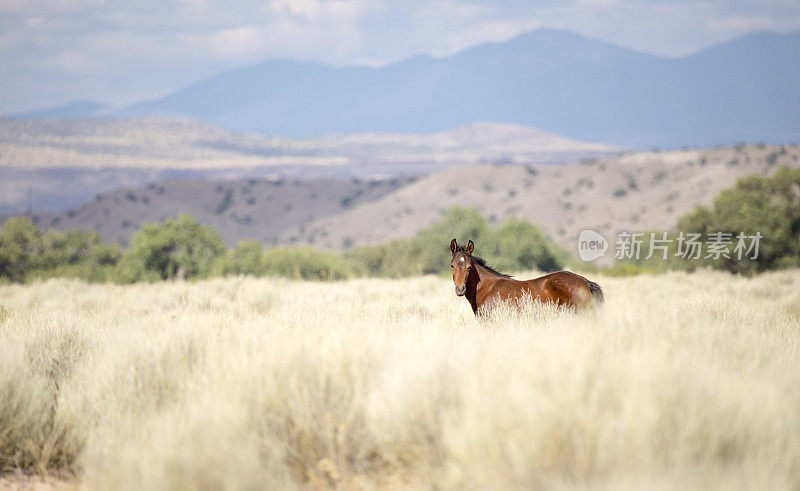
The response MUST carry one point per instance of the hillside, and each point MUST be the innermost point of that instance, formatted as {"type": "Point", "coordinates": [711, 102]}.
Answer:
{"type": "Point", "coordinates": [259, 209]}
{"type": "Point", "coordinates": [631, 192]}
{"type": "Point", "coordinates": [51, 166]}
{"type": "Point", "coordinates": [742, 90]}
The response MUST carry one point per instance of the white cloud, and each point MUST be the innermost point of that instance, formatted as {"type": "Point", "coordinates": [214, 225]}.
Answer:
{"type": "Point", "coordinates": [70, 62]}
{"type": "Point", "coordinates": [40, 6]}
{"type": "Point", "coordinates": [298, 8]}
{"type": "Point", "coordinates": [740, 23]}
{"type": "Point", "coordinates": [157, 45]}
{"type": "Point", "coordinates": [34, 21]}
{"type": "Point", "coordinates": [492, 31]}
{"type": "Point", "coordinates": [598, 3]}
{"type": "Point", "coordinates": [237, 42]}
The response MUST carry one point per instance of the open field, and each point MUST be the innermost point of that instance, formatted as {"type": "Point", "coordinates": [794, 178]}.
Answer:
{"type": "Point", "coordinates": [679, 381]}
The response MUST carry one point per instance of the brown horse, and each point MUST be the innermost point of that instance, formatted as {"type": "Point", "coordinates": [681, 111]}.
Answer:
{"type": "Point", "coordinates": [484, 286]}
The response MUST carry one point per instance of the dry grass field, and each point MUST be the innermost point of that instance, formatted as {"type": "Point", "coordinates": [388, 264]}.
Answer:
{"type": "Point", "coordinates": [678, 381]}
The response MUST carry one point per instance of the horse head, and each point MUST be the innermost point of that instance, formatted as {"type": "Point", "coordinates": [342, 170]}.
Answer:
{"type": "Point", "coordinates": [461, 265]}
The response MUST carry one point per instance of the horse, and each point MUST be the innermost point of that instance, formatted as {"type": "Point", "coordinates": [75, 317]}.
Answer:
{"type": "Point", "coordinates": [483, 286]}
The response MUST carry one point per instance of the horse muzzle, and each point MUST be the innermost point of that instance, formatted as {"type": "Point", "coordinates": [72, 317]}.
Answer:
{"type": "Point", "coordinates": [461, 290]}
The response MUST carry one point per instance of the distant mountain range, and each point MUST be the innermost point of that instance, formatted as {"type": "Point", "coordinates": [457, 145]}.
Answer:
{"type": "Point", "coordinates": [71, 110]}
{"type": "Point", "coordinates": [747, 89]}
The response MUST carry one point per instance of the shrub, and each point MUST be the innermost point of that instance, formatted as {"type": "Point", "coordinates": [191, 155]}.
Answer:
{"type": "Point", "coordinates": [307, 263]}
{"type": "Point", "coordinates": [514, 245]}
{"type": "Point", "coordinates": [74, 247]}
{"type": "Point", "coordinates": [519, 245]}
{"type": "Point", "coordinates": [245, 259]}
{"type": "Point", "coordinates": [769, 205]}
{"type": "Point", "coordinates": [20, 248]}
{"type": "Point", "coordinates": [178, 248]}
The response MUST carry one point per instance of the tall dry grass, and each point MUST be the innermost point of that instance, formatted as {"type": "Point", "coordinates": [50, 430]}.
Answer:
{"type": "Point", "coordinates": [678, 381]}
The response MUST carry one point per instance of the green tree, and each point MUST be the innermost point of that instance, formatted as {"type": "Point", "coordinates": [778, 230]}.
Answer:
{"type": "Point", "coordinates": [514, 245]}
{"type": "Point", "coordinates": [106, 254]}
{"type": "Point", "coordinates": [247, 258]}
{"type": "Point", "coordinates": [519, 245]}
{"type": "Point", "coordinates": [76, 254]}
{"type": "Point", "coordinates": [307, 263]}
{"type": "Point", "coordinates": [20, 248]}
{"type": "Point", "coordinates": [70, 247]}
{"type": "Point", "coordinates": [178, 248]}
{"type": "Point", "coordinates": [756, 204]}
{"type": "Point", "coordinates": [431, 246]}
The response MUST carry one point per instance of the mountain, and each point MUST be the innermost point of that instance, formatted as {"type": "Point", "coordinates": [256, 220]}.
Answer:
{"type": "Point", "coordinates": [72, 110]}
{"type": "Point", "coordinates": [747, 89]}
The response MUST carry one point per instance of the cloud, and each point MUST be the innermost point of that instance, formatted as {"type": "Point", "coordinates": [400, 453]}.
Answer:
{"type": "Point", "coordinates": [740, 23]}
{"type": "Point", "coordinates": [154, 46]}
{"type": "Point", "coordinates": [296, 8]}
{"type": "Point", "coordinates": [70, 62]}
{"type": "Point", "coordinates": [598, 3]}
{"type": "Point", "coordinates": [41, 6]}
{"type": "Point", "coordinates": [493, 31]}
{"type": "Point", "coordinates": [237, 42]}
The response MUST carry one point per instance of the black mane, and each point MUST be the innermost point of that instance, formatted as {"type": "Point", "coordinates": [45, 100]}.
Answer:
{"type": "Point", "coordinates": [482, 262]}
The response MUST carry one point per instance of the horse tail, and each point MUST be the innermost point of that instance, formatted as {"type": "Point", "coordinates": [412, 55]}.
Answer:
{"type": "Point", "coordinates": [597, 292]}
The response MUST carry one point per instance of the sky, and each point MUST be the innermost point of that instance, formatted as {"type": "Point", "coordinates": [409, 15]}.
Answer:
{"type": "Point", "coordinates": [123, 51]}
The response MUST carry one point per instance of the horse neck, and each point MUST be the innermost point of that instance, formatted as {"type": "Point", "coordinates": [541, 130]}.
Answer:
{"type": "Point", "coordinates": [484, 275]}
{"type": "Point", "coordinates": [479, 277]}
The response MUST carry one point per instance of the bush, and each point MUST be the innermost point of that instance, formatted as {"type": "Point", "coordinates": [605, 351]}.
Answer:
{"type": "Point", "coordinates": [20, 248]}
{"type": "Point", "coordinates": [307, 263]}
{"type": "Point", "coordinates": [182, 248]}
{"type": "Point", "coordinates": [513, 246]}
{"type": "Point", "coordinates": [76, 247]}
{"type": "Point", "coordinates": [247, 258]}
{"type": "Point", "coordinates": [769, 205]}
{"type": "Point", "coordinates": [27, 254]}
{"type": "Point", "coordinates": [178, 248]}
{"type": "Point", "coordinates": [86, 271]}
{"type": "Point", "coordinates": [520, 245]}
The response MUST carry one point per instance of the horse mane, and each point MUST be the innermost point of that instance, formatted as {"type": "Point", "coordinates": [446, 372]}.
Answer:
{"type": "Point", "coordinates": [481, 261]}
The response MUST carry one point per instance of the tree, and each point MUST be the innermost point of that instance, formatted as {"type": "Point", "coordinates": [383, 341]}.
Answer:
{"type": "Point", "coordinates": [70, 247]}
{"type": "Point", "coordinates": [519, 245]}
{"type": "Point", "coordinates": [20, 248]}
{"type": "Point", "coordinates": [246, 258]}
{"type": "Point", "coordinates": [178, 248]}
{"type": "Point", "coordinates": [515, 245]}
{"type": "Point", "coordinates": [307, 263]}
{"type": "Point", "coordinates": [766, 205]}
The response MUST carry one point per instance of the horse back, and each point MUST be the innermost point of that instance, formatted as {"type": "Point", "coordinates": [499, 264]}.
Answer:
{"type": "Point", "coordinates": [563, 288]}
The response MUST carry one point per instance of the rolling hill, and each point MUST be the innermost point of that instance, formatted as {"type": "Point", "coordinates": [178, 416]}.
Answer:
{"type": "Point", "coordinates": [258, 209]}
{"type": "Point", "coordinates": [639, 191]}
{"type": "Point", "coordinates": [632, 192]}
{"type": "Point", "coordinates": [747, 89]}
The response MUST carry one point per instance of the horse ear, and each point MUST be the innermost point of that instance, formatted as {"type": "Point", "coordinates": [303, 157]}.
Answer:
{"type": "Point", "coordinates": [453, 246]}
{"type": "Point", "coordinates": [470, 247]}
